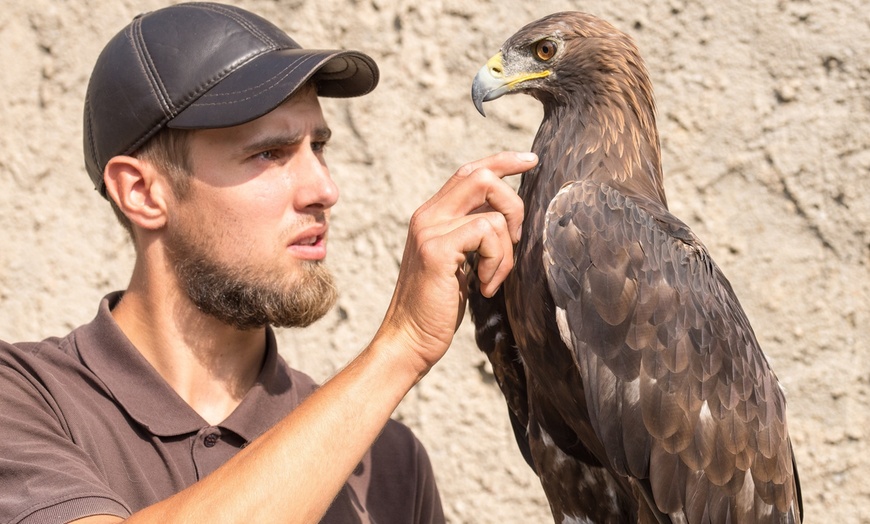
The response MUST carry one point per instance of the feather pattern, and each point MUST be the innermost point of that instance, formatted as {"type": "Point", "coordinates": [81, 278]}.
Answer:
{"type": "Point", "coordinates": [628, 365]}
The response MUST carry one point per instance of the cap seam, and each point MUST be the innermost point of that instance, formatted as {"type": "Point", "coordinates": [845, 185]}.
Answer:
{"type": "Point", "coordinates": [294, 65]}
{"type": "Point", "coordinates": [151, 131]}
{"type": "Point", "coordinates": [259, 93]}
{"type": "Point", "coordinates": [200, 90]}
{"type": "Point", "coordinates": [155, 83]}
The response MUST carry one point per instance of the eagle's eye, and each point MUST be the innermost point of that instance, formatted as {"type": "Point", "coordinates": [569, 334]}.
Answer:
{"type": "Point", "coordinates": [545, 50]}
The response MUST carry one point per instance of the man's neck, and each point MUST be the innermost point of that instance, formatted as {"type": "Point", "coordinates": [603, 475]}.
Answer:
{"type": "Point", "coordinates": [211, 365]}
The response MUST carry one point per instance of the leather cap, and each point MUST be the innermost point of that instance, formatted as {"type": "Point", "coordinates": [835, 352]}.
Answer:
{"type": "Point", "coordinates": [202, 65]}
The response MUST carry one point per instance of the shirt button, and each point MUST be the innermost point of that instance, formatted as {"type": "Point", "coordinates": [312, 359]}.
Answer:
{"type": "Point", "coordinates": [210, 440]}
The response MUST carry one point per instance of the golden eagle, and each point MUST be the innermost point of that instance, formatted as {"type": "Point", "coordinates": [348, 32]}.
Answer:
{"type": "Point", "coordinates": [634, 382]}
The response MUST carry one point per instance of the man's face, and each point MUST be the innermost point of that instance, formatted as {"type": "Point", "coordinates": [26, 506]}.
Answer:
{"type": "Point", "coordinates": [248, 240]}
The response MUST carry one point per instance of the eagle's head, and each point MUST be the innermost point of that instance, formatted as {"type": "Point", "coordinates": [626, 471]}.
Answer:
{"type": "Point", "coordinates": [563, 58]}
{"type": "Point", "coordinates": [596, 93]}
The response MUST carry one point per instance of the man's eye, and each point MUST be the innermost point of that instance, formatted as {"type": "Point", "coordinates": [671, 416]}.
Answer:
{"type": "Point", "coordinates": [268, 155]}
{"type": "Point", "coordinates": [318, 146]}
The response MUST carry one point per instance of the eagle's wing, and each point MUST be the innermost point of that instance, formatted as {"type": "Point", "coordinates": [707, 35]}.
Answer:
{"type": "Point", "coordinates": [678, 390]}
{"type": "Point", "coordinates": [572, 478]}
{"type": "Point", "coordinates": [494, 337]}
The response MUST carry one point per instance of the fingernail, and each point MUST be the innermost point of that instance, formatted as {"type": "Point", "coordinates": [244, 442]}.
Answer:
{"type": "Point", "coordinates": [527, 157]}
{"type": "Point", "coordinates": [519, 233]}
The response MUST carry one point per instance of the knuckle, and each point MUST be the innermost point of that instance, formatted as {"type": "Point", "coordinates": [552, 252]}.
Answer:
{"type": "Point", "coordinates": [428, 249]}
{"type": "Point", "coordinates": [483, 177]}
{"type": "Point", "coordinates": [508, 263]}
{"type": "Point", "coordinates": [483, 225]}
{"type": "Point", "coordinates": [497, 221]}
{"type": "Point", "coordinates": [420, 219]}
{"type": "Point", "coordinates": [465, 170]}
{"type": "Point", "coordinates": [490, 225]}
{"type": "Point", "coordinates": [415, 219]}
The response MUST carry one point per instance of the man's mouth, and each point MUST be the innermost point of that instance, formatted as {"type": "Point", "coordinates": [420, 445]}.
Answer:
{"type": "Point", "coordinates": [310, 244]}
{"type": "Point", "coordinates": [309, 241]}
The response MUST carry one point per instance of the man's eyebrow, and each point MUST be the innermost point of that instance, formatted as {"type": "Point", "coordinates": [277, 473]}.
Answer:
{"type": "Point", "coordinates": [320, 134]}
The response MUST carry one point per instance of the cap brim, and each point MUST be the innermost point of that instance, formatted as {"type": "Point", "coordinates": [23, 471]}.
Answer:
{"type": "Point", "coordinates": [262, 84]}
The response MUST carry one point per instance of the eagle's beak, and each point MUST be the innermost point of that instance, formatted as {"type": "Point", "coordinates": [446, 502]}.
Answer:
{"type": "Point", "coordinates": [491, 82]}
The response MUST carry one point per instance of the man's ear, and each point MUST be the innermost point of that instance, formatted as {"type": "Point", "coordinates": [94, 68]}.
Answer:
{"type": "Point", "coordinates": [139, 191]}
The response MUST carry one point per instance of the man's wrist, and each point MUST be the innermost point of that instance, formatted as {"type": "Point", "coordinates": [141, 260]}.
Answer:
{"type": "Point", "coordinates": [402, 351]}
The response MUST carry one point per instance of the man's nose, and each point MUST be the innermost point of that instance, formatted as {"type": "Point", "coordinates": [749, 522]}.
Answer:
{"type": "Point", "coordinates": [315, 186]}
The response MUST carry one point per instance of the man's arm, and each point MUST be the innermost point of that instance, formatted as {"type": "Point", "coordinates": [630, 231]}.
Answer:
{"type": "Point", "coordinates": [293, 471]}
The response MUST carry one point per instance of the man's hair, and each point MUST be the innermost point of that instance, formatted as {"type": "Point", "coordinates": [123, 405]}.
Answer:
{"type": "Point", "coordinates": [169, 152]}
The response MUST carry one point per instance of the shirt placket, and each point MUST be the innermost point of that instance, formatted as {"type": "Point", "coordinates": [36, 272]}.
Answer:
{"type": "Point", "coordinates": [207, 450]}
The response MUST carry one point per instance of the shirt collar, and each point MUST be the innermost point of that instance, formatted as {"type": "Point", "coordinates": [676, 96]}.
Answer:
{"type": "Point", "coordinates": [147, 398]}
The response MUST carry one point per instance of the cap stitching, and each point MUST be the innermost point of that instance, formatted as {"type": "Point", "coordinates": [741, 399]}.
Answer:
{"type": "Point", "coordinates": [293, 65]}
{"type": "Point", "coordinates": [212, 81]}
{"type": "Point", "coordinates": [241, 21]}
{"type": "Point", "coordinates": [254, 95]}
{"type": "Point", "coordinates": [137, 144]}
{"type": "Point", "coordinates": [154, 83]}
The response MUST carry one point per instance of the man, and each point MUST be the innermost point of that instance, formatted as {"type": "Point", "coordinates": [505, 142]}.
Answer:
{"type": "Point", "coordinates": [204, 131]}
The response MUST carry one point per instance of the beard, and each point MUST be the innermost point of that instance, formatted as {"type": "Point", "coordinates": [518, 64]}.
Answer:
{"type": "Point", "coordinates": [250, 296]}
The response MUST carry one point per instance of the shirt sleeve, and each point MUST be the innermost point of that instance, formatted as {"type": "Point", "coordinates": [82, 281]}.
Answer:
{"type": "Point", "coordinates": [44, 476]}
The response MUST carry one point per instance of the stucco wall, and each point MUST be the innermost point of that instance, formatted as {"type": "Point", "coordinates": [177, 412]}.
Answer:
{"type": "Point", "coordinates": [764, 112]}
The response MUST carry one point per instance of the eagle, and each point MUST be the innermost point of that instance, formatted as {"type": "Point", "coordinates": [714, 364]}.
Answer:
{"type": "Point", "coordinates": [635, 385]}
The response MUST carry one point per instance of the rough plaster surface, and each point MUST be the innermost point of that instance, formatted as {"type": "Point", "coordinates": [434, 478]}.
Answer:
{"type": "Point", "coordinates": [764, 112]}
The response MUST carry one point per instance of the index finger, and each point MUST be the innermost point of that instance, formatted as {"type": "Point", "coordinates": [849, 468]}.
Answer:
{"type": "Point", "coordinates": [502, 164]}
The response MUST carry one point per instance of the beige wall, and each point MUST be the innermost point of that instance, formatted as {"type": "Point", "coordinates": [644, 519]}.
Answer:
{"type": "Point", "coordinates": [764, 111]}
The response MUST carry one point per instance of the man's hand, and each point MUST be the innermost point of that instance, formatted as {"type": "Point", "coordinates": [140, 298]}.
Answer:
{"type": "Point", "coordinates": [476, 210]}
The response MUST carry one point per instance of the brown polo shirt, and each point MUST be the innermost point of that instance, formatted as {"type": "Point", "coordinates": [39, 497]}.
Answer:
{"type": "Point", "coordinates": [88, 427]}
